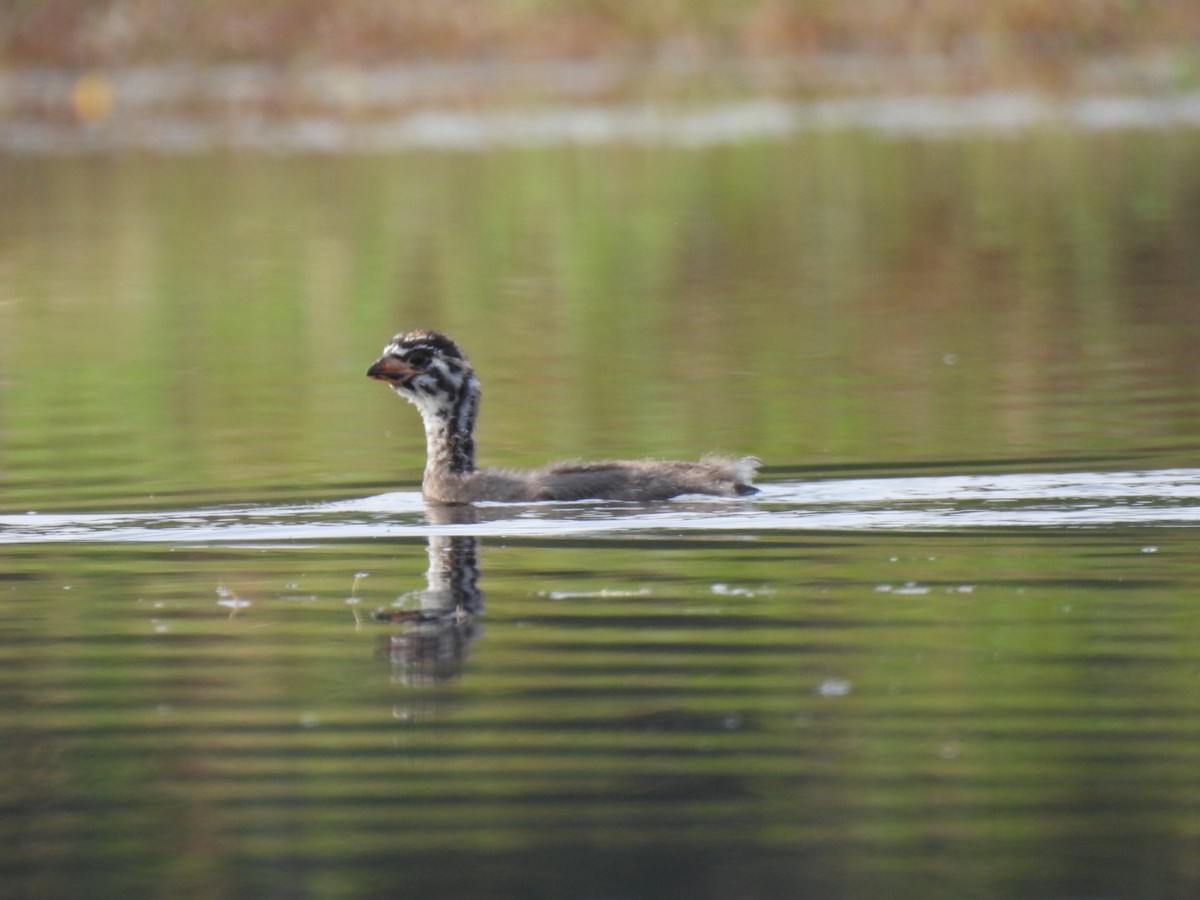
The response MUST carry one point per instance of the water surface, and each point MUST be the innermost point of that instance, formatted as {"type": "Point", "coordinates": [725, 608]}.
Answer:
{"type": "Point", "coordinates": [950, 650]}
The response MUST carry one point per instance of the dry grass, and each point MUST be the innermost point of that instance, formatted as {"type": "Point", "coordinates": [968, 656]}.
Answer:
{"type": "Point", "coordinates": [1034, 32]}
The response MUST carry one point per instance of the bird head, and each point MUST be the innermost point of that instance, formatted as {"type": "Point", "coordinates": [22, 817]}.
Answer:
{"type": "Point", "coordinates": [427, 369]}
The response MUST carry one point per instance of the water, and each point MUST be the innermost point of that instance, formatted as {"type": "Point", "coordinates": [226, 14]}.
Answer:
{"type": "Point", "coordinates": [935, 503]}
{"type": "Point", "coordinates": [1004, 711]}
{"type": "Point", "coordinates": [951, 649]}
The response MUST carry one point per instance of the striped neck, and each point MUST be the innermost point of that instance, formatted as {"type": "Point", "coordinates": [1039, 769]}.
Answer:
{"type": "Point", "coordinates": [450, 431]}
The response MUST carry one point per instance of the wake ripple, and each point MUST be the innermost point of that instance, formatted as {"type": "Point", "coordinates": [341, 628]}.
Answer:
{"type": "Point", "coordinates": [1169, 497]}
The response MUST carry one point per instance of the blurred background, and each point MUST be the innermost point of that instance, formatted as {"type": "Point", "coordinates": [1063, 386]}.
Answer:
{"type": "Point", "coordinates": [163, 68]}
{"type": "Point", "coordinates": [1006, 43]}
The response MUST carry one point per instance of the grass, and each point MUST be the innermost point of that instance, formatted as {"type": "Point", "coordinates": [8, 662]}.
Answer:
{"type": "Point", "coordinates": [1004, 42]}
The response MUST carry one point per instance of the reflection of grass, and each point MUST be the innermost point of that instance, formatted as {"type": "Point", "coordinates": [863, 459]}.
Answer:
{"type": "Point", "coordinates": [1005, 40]}
{"type": "Point", "coordinates": [837, 299]}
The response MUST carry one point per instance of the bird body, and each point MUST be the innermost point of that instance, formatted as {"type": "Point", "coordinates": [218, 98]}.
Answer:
{"type": "Point", "coordinates": [430, 371]}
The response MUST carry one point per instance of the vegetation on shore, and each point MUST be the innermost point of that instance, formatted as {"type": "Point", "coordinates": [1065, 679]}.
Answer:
{"type": "Point", "coordinates": [1004, 39]}
{"type": "Point", "coordinates": [138, 68]}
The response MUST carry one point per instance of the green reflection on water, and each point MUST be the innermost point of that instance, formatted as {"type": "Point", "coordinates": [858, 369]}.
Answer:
{"type": "Point", "coordinates": [998, 714]}
{"type": "Point", "coordinates": [995, 722]}
{"type": "Point", "coordinates": [177, 331]}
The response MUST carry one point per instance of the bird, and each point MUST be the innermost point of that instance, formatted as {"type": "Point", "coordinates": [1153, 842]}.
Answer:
{"type": "Point", "coordinates": [429, 370]}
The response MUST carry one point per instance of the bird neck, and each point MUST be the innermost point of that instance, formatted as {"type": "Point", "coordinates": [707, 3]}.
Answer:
{"type": "Point", "coordinates": [450, 435]}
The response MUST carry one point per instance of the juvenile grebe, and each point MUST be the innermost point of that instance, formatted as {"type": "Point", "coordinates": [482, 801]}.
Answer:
{"type": "Point", "coordinates": [429, 371]}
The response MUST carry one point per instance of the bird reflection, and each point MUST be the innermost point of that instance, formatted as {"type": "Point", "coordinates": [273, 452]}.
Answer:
{"type": "Point", "coordinates": [441, 621]}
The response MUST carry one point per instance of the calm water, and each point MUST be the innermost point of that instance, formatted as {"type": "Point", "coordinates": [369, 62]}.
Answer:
{"type": "Point", "coordinates": [952, 650]}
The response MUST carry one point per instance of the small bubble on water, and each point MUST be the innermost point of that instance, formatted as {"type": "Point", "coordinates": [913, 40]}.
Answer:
{"type": "Point", "coordinates": [353, 601]}
{"type": "Point", "coordinates": [233, 603]}
{"type": "Point", "coordinates": [728, 590]}
{"type": "Point", "coordinates": [950, 358]}
{"type": "Point", "coordinates": [732, 722]}
{"type": "Point", "coordinates": [66, 587]}
{"type": "Point", "coordinates": [911, 587]}
{"type": "Point", "coordinates": [834, 687]}
{"type": "Point", "coordinates": [950, 751]}
{"type": "Point", "coordinates": [1149, 549]}
{"type": "Point", "coordinates": [309, 720]}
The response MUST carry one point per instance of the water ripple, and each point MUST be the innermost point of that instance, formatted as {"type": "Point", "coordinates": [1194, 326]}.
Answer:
{"type": "Point", "coordinates": [1074, 500]}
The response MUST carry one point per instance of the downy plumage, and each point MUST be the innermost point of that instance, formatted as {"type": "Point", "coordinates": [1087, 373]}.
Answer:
{"type": "Point", "coordinates": [428, 370]}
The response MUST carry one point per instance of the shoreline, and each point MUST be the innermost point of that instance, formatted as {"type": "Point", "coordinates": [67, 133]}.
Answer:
{"type": "Point", "coordinates": [671, 98]}
{"type": "Point", "coordinates": [355, 90]}
{"type": "Point", "coordinates": [643, 124]}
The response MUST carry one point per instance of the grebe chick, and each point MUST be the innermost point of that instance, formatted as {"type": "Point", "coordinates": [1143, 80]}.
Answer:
{"type": "Point", "coordinates": [429, 371]}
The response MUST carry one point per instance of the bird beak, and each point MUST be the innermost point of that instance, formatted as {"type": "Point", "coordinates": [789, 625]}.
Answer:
{"type": "Point", "coordinates": [388, 368]}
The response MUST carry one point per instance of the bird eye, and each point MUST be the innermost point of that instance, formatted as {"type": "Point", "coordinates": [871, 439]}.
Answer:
{"type": "Point", "coordinates": [418, 359]}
